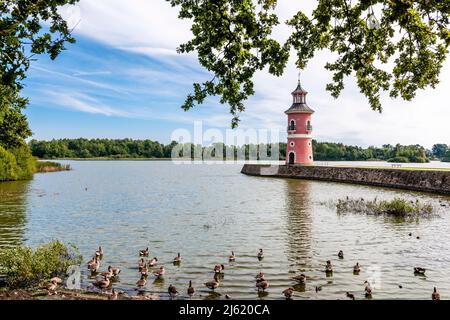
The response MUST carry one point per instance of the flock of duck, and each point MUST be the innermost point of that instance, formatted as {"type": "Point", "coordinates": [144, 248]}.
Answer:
{"type": "Point", "coordinates": [104, 280]}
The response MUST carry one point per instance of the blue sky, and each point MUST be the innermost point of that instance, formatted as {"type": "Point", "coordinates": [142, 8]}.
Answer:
{"type": "Point", "coordinates": [123, 78]}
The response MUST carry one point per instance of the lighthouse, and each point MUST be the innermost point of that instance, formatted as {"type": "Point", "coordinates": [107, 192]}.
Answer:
{"type": "Point", "coordinates": [299, 146]}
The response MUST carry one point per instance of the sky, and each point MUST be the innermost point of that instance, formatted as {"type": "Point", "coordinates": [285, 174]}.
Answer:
{"type": "Point", "coordinates": [124, 79]}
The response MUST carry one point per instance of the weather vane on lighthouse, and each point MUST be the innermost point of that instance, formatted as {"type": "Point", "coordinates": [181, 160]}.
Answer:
{"type": "Point", "coordinates": [299, 148]}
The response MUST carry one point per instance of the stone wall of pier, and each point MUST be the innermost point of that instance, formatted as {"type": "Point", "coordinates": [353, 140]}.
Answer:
{"type": "Point", "coordinates": [417, 180]}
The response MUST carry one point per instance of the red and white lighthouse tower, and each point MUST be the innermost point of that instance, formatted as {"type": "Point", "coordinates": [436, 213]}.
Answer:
{"type": "Point", "coordinates": [299, 147]}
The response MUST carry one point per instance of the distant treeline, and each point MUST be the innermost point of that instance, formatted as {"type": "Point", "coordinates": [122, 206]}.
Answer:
{"type": "Point", "coordinates": [323, 151]}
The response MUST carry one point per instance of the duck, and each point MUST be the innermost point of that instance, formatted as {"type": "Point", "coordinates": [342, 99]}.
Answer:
{"type": "Point", "coordinates": [99, 252]}
{"type": "Point", "coordinates": [368, 289]}
{"type": "Point", "coordinates": [191, 289]}
{"type": "Point", "coordinates": [288, 293]}
{"type": "Point", "coordinates": [232, 258]}
{"type": "Point", "coordinates": [356, 268]}
{"type": "Point", "coordinates": [318, 288]}
{"type": "Point", "coordinates": [160, 272]}
{"type": "Point", "coordinates": [214, 284]}
{"type": "Point", "coordinates": [300, 278]}
{"type": "Point", "coordinates": [103, 283]}
{"type": "Point", "coordinates": [341, 254]}
{"type": "Point", "coordinates": [172, 290]}
{"type": "Point", "coordinates": [177, 259]}
{"type": "Point", "coordinates": [329, 267]}
{"type": "Point", "coordinates": [350, 295]}
{"type": "Point", "coordinates": [153, 262]}
{"type": "Point", "coordinates": [108, 273]}
{"type": "Point", "coordinates": [419, 270]}
{"type": "Point", "coordinates": [262, 285]}
{"type": "Point", "coordinates": [115, 271]}
{"type": "Point", "coordinates": [141, 282]}
{"type": "Point", "coordinates": [219, 268]}
{"type": "Point", "coordinates": [435, 295]}
{"type": "Point", "coordinates": [260, 254]}
{"type": "Point", "coordinates": [144, 253]}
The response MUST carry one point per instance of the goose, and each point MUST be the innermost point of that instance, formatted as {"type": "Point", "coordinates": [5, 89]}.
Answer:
{"type": "Point", "coordinates": [350, 295]}
{"type": "Point", "coordinates": [262, 285]}
{"type": "Point", "coordinates": [144, 253]}
{"type": "Point", "coordinates": [356, 268]}
{"type": "Point", "coordinates": [172, 290]}
{"type": "Point", "coordinates": [153, 262]}
{"type": "Point", "coordinates": [419, 270]}
{"type": "Point", "coordinates": [160, 272]}
{"type": "Point", "coordinates": [114, 295]}
{"type": "Point", "coordinates": [115, 271]}
{"type": "Point", "coordinates": [103, 283]}
{"type": "Point", "coordinates": [260, 275]}
{"type": "Point", "coordinates": [56, 280]}
{"type": "Point", "coordinates": [260, 254]}
{"type": "Point", "coordinates": [232, 258]}
{"type": "Point", "coordinates": [177, 259]}
{"type": "Point", "coordinates": [288, 293]}
{"type": "Point", "coordinates": [329, 267]}
{"type": "Point", "coordinates": [93, 267]}
{"type": "Point", "coordinates": [300, 278]}
{"type": "Point", "coordinates": [214, 284]}
{"type": "Point", "coordinates": [435, 295]}
{"type": "Point", "coordinates": [219, 268]}
{"type": "Point", "coordinates": [99, 252]}
{"type": "Point", "coordinates": [141, 282]}
{"type": "Point", "coordinates": [142, 264]}
{"type": "Point", "coordinates": [368, 289]}
{"type": "Point", "coordinates": [341, 254]}
{"type": "Point", "coordinates": [144, 271]}
{"type": "Point", "coordinates": [191, 289]}
{"type": "Point", "coordinates": [108, 273]}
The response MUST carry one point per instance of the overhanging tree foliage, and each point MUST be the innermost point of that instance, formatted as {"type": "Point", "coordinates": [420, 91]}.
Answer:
{"type": "Point", "coordinates": [23, 35]}
{"type": "Point", "coordinates": [233, 40]}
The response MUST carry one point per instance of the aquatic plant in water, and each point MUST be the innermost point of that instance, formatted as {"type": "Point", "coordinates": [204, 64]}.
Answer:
{"type": "Point", "coordinates": [396, 207]}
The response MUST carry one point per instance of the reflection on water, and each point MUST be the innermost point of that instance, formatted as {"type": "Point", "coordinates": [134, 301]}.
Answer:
{"type": "Point", "coordinates": [12, 212]}
{"type": "Point", "coordinates": [206, 211]}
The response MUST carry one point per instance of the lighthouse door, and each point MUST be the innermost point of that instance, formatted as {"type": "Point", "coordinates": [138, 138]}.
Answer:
{"type": "Point", "coordinates": [291, 158]}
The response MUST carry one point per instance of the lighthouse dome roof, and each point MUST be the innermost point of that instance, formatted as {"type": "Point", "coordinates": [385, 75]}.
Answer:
{"type": "Point", "coordinates": [299, 90]}
{"type": "Point", "coordinates": [299, 108]}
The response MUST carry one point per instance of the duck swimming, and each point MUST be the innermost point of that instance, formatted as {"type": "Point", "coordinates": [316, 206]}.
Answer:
{"type": "Point", "coordinates": [288, 293]}
{"type": "Point", "coordinates": [103, 283]}
{"type": "Point", "coordinates": [232, 258]}
{"type": "Point", "coordinates": [260, 254]}
{"type": "Point", "coordinates": [356, 268]}
{"type": "Point", "coordinates": [142, 264]}
{"type": "Point", "coordinates": [218, 268]}
{"type": "Point", "coordinates": [341, 254]}
{"type": "Point", "coordinates": [300, 278]}
{"type": "Point", "coordinates": [191, 289]}
{"type": "Point", "coordinates": [172, 290]}
{"type": "Point", "coordinates": [177, 259]}
{"type": "Point", "coordinates": [418, 270]}
{"type": "Point", "coordinates": [160, 272]}
{"type": "Point", "coordinates": [214, 284]}
{"type": "Point", "coordinates": [260, 275]}
{"type": "Point", "coordinates": [262, 285]}
{"type": "Point", "coordinates": [144, 253]}
{"type": "Point", "coordinates": [329, 267]}
{"type": "Point", "coordinates": [99, 252]}
{"type": "Point", "coordinates": [350, 295]}
{"type": "Point", "coordinates": [368, 289]}
{"type": "Point", "coordinates": [141, 282]}
{"type": "Point", "coordinates": [435, 295]}
{"type": "Point", "coordinates": [115, 271]}
{"type": "Point", "coordinates": [153, 262]}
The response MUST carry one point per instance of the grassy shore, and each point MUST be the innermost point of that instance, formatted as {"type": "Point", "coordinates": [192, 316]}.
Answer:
{"type": "Point", "coordinates": [50, 166]}
{"type": "Point", "coordinates": [108, 159]}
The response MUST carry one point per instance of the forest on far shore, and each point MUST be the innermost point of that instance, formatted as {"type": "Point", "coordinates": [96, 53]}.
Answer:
{"type": "Point", "coordinates": [323, 151]}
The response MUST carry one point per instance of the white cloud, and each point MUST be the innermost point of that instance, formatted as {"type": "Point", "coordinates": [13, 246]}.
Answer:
{"type": "Point", "coordinates": [153, 29]}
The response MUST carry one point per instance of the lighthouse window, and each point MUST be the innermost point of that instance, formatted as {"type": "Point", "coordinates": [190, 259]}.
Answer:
{"type": "Point", "coordinates": [309, 143]}
{"type": "Point", "coordinates": [292, 144]}
{"type": "Point", "coordinates": [310, 157]}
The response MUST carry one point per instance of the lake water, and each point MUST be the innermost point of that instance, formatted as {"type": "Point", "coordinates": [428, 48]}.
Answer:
{"type": "Point", "coordinates": [205, 211]}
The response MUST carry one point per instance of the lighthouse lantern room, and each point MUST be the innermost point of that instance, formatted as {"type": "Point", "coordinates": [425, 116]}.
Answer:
{"type": "Point", "coordinates": [299, 147]}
